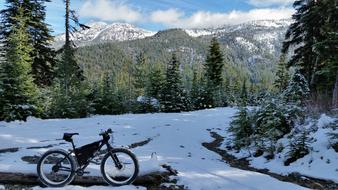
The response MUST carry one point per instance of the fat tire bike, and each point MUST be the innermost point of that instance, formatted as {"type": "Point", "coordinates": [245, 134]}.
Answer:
{"type": "Point", "coordinates": [58, 167]}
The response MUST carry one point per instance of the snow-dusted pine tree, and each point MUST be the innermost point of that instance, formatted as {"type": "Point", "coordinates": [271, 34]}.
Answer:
{"type": "Point", "coordinates": [297, 90]}
{"type": "Point", "coordinates": [282, 74]}
{"type": "Point", "coordinates": [241, 128]}
{"type": "Point", "coordinates": [299, 146]}
{"type": "Point", "coordinates": [172, 94]}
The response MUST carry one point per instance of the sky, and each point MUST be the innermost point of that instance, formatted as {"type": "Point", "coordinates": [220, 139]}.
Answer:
{"type": "Point", "coordinates": [157, 15]}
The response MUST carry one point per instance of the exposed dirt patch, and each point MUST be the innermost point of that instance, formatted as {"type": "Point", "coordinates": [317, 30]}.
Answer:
{"type": "Point", "coordinates": [142, 143]}
{"type": "Point", "coordinates": [9, 150]}
{"type": "Point", "coordinates": [47, 146]}
{"type": "Point", "coordinates": [243, 164]}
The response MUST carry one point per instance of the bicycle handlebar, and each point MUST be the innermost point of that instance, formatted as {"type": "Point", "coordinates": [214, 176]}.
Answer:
{"type": "Point", "coordinates": [107, 132]}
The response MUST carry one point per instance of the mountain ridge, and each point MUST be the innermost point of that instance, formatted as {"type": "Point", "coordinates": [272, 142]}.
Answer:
{"type": "Point", "coordinates": [101, 32]}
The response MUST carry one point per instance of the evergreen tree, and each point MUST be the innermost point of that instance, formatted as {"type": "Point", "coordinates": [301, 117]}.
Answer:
{"type": "Point", "coordinates": [155, 83]}
{"type": "Point", "coordinates": [241, 128]}
{"type": "Point", "coordinates": [299, 147]}
{"type": "Point", "coordinates": [70, 92]}
{"type": "Point", "coordinates": [271, 122]}
{"type": "Point", "coordinates": [315, 40]}
{"type": "Point", "coordinates": [18, 92]}
{"type": "Point", "coordinates": [297, 90]}
{"type": "Point", "coordinates": [244, 95]}
{"type": "Point", "coordinates": [39, 36]}
{"type": "Point", "coordinates": [214, 69]}
{"type": "Point", "coordinates": [172, 94]}
{"type": "Point", "coordinates": [43, 55]}
{"type": "Point", "coordinates": [303, 34]}
{"type": "Point", "coordinates": [214, 64]}
{"type": "Point", "coordinates": [327, 51]}
{"type": "Point", "coordinates": [107, 99]}
{"type": "Point", "coordinates": [282, 74]}
{"type": "Point", "coordinates": [200, 98]}
{"type": "Point", "coordinates": [141, 71]}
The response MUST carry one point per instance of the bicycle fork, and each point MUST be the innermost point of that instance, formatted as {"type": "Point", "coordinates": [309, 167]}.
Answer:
{"type": "Point", "coordinates": [114, 157]}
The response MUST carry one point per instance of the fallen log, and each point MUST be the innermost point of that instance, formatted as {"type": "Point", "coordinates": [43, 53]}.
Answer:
{"type": "Point", "coordinates": [32, 179]}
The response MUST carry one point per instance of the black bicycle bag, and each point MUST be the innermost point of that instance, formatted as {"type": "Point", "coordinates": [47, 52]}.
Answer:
{"type": "Point", "coordinates": [84, 153]}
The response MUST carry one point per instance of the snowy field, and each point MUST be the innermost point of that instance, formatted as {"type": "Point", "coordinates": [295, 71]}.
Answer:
{"type": "Point", "coordinates": [176, 140]}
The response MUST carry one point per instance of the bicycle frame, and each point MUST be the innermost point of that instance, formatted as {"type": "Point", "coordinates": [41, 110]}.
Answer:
{"type": "Point", "coordinates": [103, 142]}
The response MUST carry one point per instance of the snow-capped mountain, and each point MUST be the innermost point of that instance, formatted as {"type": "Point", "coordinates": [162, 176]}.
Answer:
{"type": "Point", "coordinates": [259, 24]}
{"type": "Point", "coordinates": [103, 32]}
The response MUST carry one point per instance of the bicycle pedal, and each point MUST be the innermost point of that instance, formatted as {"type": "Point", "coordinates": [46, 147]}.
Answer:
{"type": "Point", "coordinates": [86, 172]}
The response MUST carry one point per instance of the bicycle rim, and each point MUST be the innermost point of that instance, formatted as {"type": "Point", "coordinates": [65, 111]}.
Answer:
{"type": "Point", "coordinates": [123, 174]}
{"type": "Point", "coordinates": [56, 168]}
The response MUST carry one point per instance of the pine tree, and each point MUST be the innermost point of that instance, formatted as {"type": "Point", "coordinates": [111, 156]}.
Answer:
{"type": "Point", "coordinates": [43, 55]}
{"type": "Point", "coordinates": [107, 98]}
{"type": "Point", "coordinates": [241, 128]}
{"type": "Point", "coordinates": [282, 74]}
{"type": "Point", "coordinates": [200, 98]}
{"type": "Point", "coordinates": [70, 91]}
{"type": "Point", "coordinates": [172, 94]}
{"type": "Point", "coordinates": [314, 36]}
{"type": "Point", "coordinates": [18, 92]}
{"type": "Point", "coordinates": [155, 83]}
{"type": "Point", "coordinates": [299, 147]}
{"type": "Point", "coordinates": [244, 95]}
{"type": "Point", "coordinates": [141, 71]}
{"type": "Point", "coordinates": [298, 90]}
{"type": "Point", "coordinates": [214, 64]}
{"type": "Point", "coordinates": [39, 36]}
{"type": "Point", "coordinates": [303, 34]}
{"type": "Point", "coordinates": [214, 69]}
{"type": "Point", "coordinates": [327, 51]}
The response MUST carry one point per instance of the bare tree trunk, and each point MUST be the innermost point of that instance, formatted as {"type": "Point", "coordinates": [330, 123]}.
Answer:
{"type": "Point", "coordinates": [67, 44]}
{"type": "Point", "coordinates": [67, 23]}
{"type": "Point", "coordinates": [335, 94]}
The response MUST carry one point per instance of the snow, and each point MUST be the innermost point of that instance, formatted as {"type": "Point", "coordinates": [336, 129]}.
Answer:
{"type": "Point", "coordinates": [244, 42]}
{"type": "Point", "coordinates": [322, 162]}
{"type": "Point", "coordinates": [144, 99]}
{"type": "Point", "coordinates": [100, 31]}
{"type": "Point", "coordinates": [72, 187]}
{"type": "Point", "coordinates": [176, 140]}
{"type": "Point", "coordinates": [198, 32]}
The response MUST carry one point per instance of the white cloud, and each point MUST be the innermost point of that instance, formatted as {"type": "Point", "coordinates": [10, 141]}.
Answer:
{"type": "Point", "coordinates": [109, 10]}
{"type": "Point", "coordinates": [267, 3]}
{"type": "Point", "coordinates": [202, 19]}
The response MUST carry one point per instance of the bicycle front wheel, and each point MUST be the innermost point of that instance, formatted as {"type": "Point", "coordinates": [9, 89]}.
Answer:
{"type": "Point", "coordinates": [56, 168]}
{"type": "Point", "coordinates": [119, 167]}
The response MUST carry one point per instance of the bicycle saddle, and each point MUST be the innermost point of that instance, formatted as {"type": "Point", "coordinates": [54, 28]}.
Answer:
{"type": "Point", "coordinates": [68, 136]}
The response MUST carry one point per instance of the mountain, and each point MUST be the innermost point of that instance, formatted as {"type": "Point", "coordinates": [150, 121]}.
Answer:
{"type": "Point", "coordinates": [250, 50]}
{"type": "Point", "coordinates": [102, 32]}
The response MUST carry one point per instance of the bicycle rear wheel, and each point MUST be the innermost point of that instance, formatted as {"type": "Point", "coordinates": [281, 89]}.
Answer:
{"type": "Point", "coordinates": [56, 168]}
{"type": "Point", "coordinates": [119, 167]}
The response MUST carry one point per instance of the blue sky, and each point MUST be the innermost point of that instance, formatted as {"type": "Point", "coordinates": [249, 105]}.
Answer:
{"type": "Point", "coordinates": [161, 14]}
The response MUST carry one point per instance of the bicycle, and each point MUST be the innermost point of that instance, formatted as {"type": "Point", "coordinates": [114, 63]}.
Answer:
{"type": "Point", "coordinates": [57, 167]}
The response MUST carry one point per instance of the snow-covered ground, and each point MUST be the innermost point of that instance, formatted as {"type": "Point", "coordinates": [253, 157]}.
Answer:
{"type": "Point", "coordinates": [176, 140]}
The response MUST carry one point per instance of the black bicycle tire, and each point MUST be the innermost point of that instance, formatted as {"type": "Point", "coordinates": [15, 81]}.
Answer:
{"type": "Point", "coordinates": [132, 156]}
{"type": "Point", "coordinates": [73, 165]}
